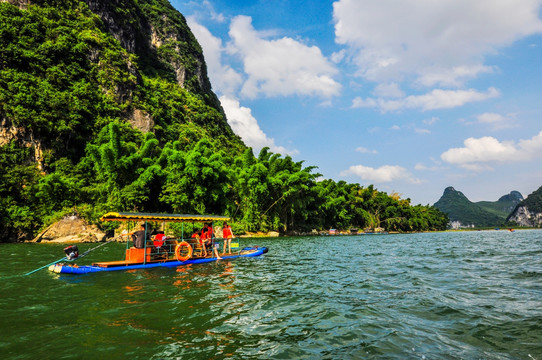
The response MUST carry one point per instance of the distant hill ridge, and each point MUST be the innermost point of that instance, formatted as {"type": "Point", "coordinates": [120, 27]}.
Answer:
{"type": "Point", "coordinates": [479, 214]}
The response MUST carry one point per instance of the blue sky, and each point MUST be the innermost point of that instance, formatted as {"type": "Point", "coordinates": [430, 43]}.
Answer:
{"type": "Point", "coordinates": [411, 96]}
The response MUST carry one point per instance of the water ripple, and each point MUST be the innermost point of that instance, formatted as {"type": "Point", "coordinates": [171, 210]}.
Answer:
{"type": "Point", "coordinates": [474, 295]}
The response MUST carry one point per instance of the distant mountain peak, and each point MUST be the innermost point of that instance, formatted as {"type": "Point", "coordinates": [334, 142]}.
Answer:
{"type": "Point", "coordinates": [451, 192]}
{"type": "Point", "coordinates": [514, 196]}
{"type": "Point", "coordinates": [482, 213]}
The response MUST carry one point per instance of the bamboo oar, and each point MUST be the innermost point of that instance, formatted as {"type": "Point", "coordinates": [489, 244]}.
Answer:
{"type": "Point", "coordinates": [82, 255]}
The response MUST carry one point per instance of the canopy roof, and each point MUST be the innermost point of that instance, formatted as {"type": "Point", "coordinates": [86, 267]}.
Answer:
{"type": "Point", "coordinates": [126, 216]}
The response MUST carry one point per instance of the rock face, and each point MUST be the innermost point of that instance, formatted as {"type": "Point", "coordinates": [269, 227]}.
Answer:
{"type": "Point", "coordinates": [523, 217]}
{"type": "Point", "coordinates": [141, 120]}
{"type": "Point", "coordinates": [20, 3]}
{"type": "Point", "coordinates": [160, 38]}
{"type": "Point", "coordinates": [163, 45]}
{"type": "Point", "coordinates": [69, 230]}
{"type": "Point", "coordinates": [162, 41]}
{"type": "Point", "coordinates": [8, 132]}
{"type": "Point", "coordinates": [529, 211]}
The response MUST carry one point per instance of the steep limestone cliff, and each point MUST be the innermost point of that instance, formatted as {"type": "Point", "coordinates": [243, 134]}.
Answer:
{"type": "Point", "coordinates": [523, 217]}
{"type": "Point", "coordinates": [161, 39]}
{"type": "Point", "coordinates": [529, 211]}
{"type": "Point", "coordinates": [71, 68]}
{"type": "Point", "coordinates": [85, 67]}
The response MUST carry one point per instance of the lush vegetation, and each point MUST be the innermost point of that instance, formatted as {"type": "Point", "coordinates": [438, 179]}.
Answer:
{"type": "Point", "coordinates": [68, 94]}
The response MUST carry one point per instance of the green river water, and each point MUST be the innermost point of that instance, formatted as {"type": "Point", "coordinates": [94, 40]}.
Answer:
{"type": "Point", "coordinates": [454, 295]}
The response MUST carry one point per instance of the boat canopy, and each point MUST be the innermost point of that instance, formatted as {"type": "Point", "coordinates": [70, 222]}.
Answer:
{"type": "Point", "coordinates": [127, 216]}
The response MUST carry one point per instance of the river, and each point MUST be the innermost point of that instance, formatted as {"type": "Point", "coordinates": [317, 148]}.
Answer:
{"type": "Point", "coordinates": [452, 295]}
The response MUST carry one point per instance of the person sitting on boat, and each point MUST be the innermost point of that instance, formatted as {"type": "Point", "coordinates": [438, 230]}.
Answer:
{"type": "Point", "coordinates": [207, 239]}
{"type": "Point", "coordinates": [159, 240]}
{"type": "Point", "coordinates": [138, 237]}
{"type": "Point", "coordinates": [227, 234]}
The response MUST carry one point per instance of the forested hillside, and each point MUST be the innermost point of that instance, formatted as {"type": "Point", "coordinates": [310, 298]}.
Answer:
{"type": "Point", "coordinates": [459, 208]}
{"type": "Point", "coordinates": [504, 206]}
{"type": "Point", "coordinates": [106, 105]}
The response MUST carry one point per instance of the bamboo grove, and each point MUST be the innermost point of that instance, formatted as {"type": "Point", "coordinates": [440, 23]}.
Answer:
{"type": "Point", "coordinates": [125, 170]}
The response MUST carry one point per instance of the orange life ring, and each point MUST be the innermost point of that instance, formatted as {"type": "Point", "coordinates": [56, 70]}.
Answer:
{"type": "Point", "coordinates": [178, 251]}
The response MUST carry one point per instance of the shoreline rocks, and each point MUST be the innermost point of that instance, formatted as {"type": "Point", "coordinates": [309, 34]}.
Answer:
{"type": "Point", "coordinates": [71, 229]}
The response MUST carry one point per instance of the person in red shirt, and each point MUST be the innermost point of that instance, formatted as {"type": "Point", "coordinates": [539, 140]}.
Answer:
{"type": "Point", "coordinates": [203, 239]}
{"type": "Point", "coordinates": [227, 234]}
{"type": "Point", "coordinates": [159, 240]}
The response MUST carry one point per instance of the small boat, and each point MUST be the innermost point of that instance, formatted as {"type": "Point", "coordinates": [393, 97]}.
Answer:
{"type": "Point", "coordinates": [62, 268]}
{"type": "Point", "coordinates": [160, 251]}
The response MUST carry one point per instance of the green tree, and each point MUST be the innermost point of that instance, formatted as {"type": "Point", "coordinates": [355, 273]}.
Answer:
{"type": "Point", "coordinates": [124, 171]}
{"type": "Point", "coordinates": [196, 180]}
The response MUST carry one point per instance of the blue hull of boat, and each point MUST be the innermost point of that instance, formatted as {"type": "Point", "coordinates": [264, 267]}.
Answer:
{"type": "Point", "coordinates": [86, 269]}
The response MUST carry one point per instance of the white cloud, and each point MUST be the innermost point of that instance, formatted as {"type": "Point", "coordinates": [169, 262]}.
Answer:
{"type": "Point", "coordinates": [497, 121]}
{"type": "Point", "coordinates": [436, 99]}
{"type": "Point", "coordinates": [225, 80]}
{"type": "Point", "coordinates": [423, 167]}
{"type": "Point", "coordinates": [202, 9]}
{"type": "Point", "coordinates": [422, 131]}
{"type": "Point", "coordinates": [436, 42]}
{"type": "Point", "coordinates": [490, 118]}
{"type": "Point", "coordinates": [363, 150]}
{"type": "Point", "coordinates": [246, 126]}
{"type": "Point", "coordinates": [383, 174]}
{"type": "Point", "coordinates": [485, 149]}
{"type": "Point", "coordinates": [280, 67]}
{"type": "Point", "coordinates": [477, 154]}
{"type": "Point", "coordinates": [437, 165]}
{"type": "Point", "coordinates": [431, 121]}
{"type": "Point", "coordinates": [337, 57]}
{"type": "Point", "coordinates": [391, 90]}
{"type": "Point", "coordinates": [359, 102]}
{"type": "Point", "coordinates": [452, 77]}
{"type": "Point", "coordinates": [532, 147]}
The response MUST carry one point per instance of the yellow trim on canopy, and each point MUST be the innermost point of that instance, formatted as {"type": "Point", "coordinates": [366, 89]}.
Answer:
{"type": "Point", "coordinates": [116, 216]}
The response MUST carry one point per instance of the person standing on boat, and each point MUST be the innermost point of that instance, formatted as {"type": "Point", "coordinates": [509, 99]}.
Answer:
{"type": "Point", "coordinates": [227, 234]}
{"type": "Point", "coordinates": [138, 237]}
{"type": "Point", "coordinates": [208, 230]}
{"type": "Point", "coordinates": [203, 240]}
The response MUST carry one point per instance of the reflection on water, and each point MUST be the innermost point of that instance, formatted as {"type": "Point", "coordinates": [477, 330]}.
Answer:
{"type": "Point", "coordinates": [434, 296]}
